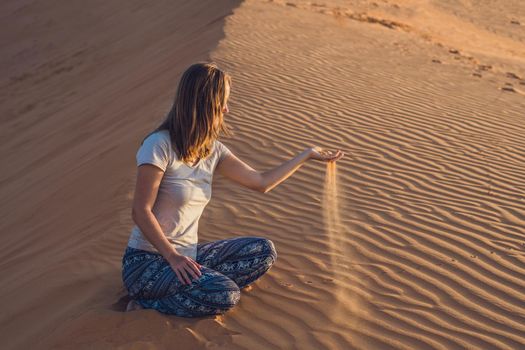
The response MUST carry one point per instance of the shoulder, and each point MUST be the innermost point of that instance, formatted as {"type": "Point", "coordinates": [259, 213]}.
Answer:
{"type": "Point", "coordinates": [162, 136]}
{"type": "Point", "coordinates": [219, 146]}
{"type": "Point", "coordinates": [221, 149]}
{"type": "Point", "coordinates": [159, 140]}
{"type": "Point", "coordinates": [156, 144]}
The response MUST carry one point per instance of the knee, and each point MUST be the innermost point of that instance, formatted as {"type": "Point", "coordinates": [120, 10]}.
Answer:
{"type": "Point", "coordinates": [229, 296]}
{"type": "Point", "coordinates": [220, 294]}
{"type": "Point", "coordinates": [232, 298]}
{"type": "Point", "coordinates": [269, 248]}
{"type": "Point", "coordinates": [257, 246]}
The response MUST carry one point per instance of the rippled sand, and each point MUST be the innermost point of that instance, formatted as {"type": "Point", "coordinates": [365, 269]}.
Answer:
{"type": "Point", "coordinates": [423, 243]}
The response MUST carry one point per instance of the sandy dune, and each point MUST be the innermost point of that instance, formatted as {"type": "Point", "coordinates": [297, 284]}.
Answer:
{"type": "Point", "coordinates": [425, 97]}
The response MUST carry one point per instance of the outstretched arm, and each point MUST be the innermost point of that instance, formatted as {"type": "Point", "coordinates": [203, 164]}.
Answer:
{"type": "Point", "coordinates": [237, 170]}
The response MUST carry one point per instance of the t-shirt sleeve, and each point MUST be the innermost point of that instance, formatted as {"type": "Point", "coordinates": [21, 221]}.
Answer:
{"type": "Point", "coordinates": [154, 150]}
{"type": "Point", "coordinates": [223, 150]}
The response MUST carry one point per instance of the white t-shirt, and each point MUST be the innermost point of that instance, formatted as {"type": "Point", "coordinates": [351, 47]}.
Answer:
{"type": "Point", "coordinates": [183, 193]}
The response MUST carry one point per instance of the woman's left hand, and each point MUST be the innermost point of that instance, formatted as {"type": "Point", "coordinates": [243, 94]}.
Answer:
{"type": "Point", "coordinates": [319, 153]}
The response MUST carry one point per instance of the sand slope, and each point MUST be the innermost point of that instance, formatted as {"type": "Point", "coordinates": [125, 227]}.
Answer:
{"type": "Point", "coordinates": [80, 87]}
{"type": "Point", "coordinates": [429, 252]}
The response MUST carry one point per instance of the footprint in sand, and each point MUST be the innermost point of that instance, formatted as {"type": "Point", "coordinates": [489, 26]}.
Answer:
{"type": "Point", "coordinates": [285, 284]}
{"type": "Point", "coordinates": [484, 67]}
{"type": "Point", "coordinates": [512, 75]}
{"type": "Point", "coordinates": [508, 87]}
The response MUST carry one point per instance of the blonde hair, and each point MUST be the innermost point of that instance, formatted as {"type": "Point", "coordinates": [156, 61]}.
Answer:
{"type": "Point", "coordinates": [199, 102]}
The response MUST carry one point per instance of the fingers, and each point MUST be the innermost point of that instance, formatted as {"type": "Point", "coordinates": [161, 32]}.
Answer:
{"type": "Point", "coordinates": [338, 155]}
{"type": "Point", "coordinates": [187, 268]}
{"type": "Point", "coordinates": [185, 278]}
{"type": "Point", "coordinates": [191, 269]}
{"type": "Point", "coordinates": [179, 276]}
{"type": "Point", "coordinates": [331, 156]}
{"type": "Point", "coordinates": [196, 267]}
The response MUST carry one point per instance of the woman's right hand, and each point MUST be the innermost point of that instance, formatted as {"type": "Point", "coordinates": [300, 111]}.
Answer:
{"type": "Point", "coordinates": [185, 267]}
{"type": "Point", "coordinates": [319, 153]}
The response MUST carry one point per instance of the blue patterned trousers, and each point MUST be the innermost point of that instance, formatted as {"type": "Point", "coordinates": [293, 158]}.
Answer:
{"type": "Point", "coordinates": [227, 266]}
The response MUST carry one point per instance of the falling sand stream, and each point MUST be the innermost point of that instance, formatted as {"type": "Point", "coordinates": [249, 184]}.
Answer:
{"type": "Point", "coordinates": [334, 229]}
{"type": "Point", "coordinates": [349, 303]}
{"type": "Point", "coordinates": [332, 217]}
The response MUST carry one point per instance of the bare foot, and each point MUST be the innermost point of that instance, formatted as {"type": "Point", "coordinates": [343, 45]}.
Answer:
{"type": "Point", "coordinates": [133, 305]}
{"type": "Point", "coordinates": [247, 288]}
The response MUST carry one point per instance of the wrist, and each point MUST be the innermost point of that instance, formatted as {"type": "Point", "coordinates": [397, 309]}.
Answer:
{"type": "Point", "coordinates": [172, 255]}
{"type": "Point", "coordinates": [307, 153]}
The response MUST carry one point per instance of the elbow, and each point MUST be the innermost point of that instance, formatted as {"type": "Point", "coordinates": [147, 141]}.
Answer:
{"type": "Point", "coordinates": [134, 215]}
{"type": "Point", "coordinates": [137, 213]}
{"type": "Point", "coordinates": [263, 189]}
{"type": "Point", "coordinates": [261, 184]}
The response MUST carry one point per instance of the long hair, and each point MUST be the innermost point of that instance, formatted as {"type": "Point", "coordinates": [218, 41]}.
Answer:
{"type": "Point", "coordinates": [196, 118]}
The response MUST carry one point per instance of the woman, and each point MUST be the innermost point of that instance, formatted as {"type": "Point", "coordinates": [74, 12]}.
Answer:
{"type": "Point", "coordinates": [163, 267]}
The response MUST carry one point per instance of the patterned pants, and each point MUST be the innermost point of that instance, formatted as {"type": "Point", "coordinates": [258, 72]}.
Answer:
{"type": "Point", "coordinates": [227, 266]}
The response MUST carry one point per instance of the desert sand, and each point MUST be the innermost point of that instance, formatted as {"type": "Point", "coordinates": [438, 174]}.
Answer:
{"type": "Point", "coordinates": [420, 246]}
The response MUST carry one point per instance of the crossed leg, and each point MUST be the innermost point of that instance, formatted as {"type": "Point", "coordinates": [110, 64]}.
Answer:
{"type": "Point", "coordinates": [228, 265]}
{"type": "Point", "coordinates": [243, 259]}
